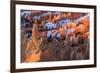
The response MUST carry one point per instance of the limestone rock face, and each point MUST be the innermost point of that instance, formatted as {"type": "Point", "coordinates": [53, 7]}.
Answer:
{"type": "Point", "coordinates": [32, 51]}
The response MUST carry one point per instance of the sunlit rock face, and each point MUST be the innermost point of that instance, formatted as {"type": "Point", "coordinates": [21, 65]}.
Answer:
{"type": "Point", "coordinates": [32, 51]}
